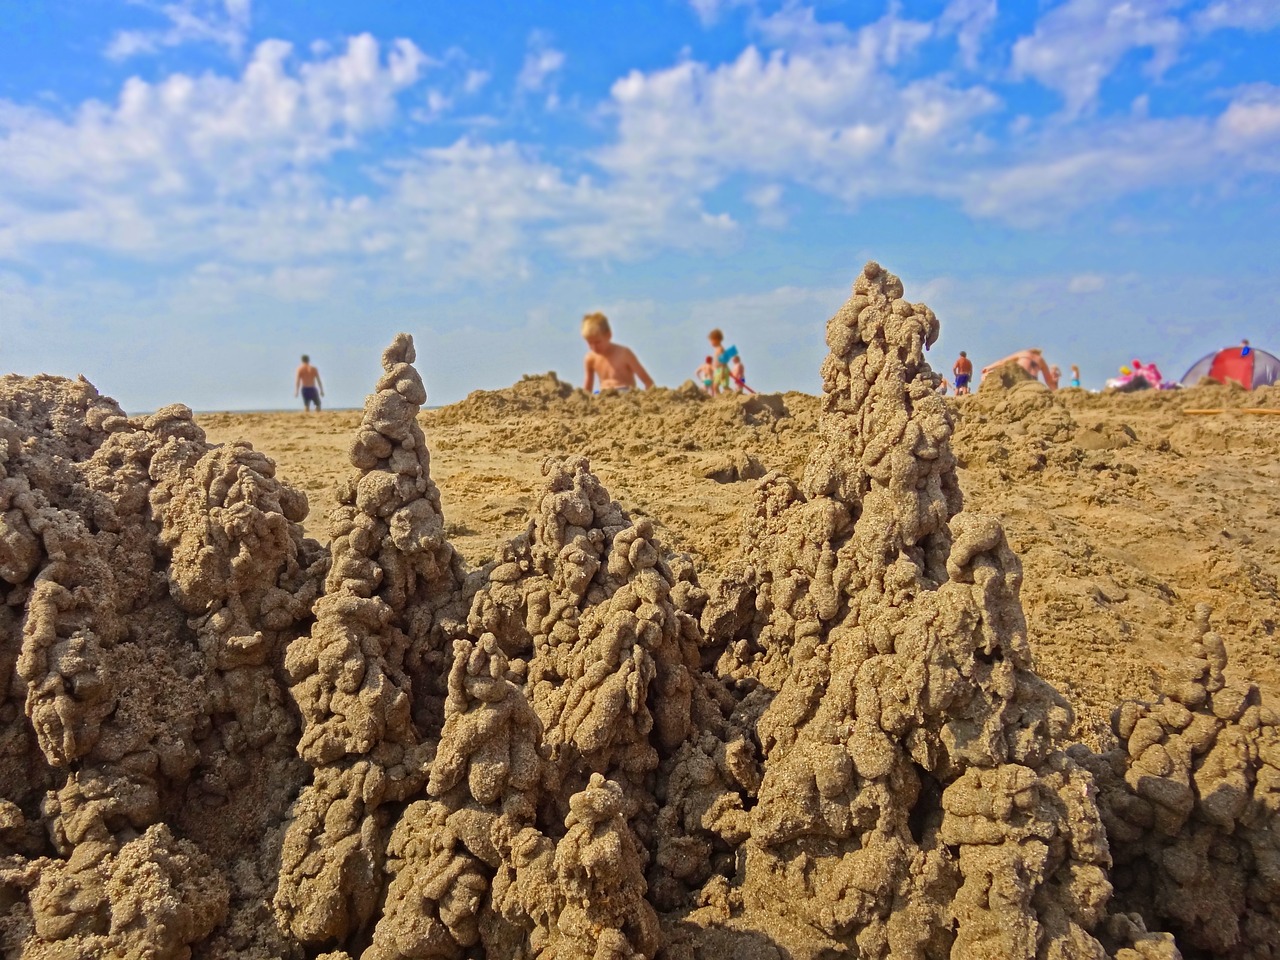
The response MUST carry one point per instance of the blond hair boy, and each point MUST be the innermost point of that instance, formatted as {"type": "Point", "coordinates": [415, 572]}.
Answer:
{"type": "Point", "coordinates": [615, 365]}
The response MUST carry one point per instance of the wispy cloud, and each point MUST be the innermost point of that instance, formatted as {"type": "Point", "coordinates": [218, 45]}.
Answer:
{"type": "Point", "coordinates": [541, 63]}
{"type": "Point", "coordinates": [1076, 45]}
{"type": "Point", "coordinates": [224, 23]}
{"type": "Point", "coordinates": [709, 12]}
{"type": "Point", "coordinates": [970, 21]}
{"type": "Point", "coordinates": [1086, 283]}
{"type": "Point", "coordinates": [1242, 14]}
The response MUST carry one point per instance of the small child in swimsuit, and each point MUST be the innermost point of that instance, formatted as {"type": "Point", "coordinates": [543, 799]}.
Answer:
{"type": "Point", "coordinates": [1075, 375]}
{"type": "Point", "coordinates": [738, 373]}
{"type": "Point", "coordinates": [706, 374]}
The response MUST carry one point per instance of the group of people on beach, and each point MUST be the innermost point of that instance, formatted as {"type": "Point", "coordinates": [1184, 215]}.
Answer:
{"type": "Point", "coordinates": [616, 367]}
{"type": "Point", "coordinates": [1031, 360]}
{"type": "Point", "coordinates": [723, 369]}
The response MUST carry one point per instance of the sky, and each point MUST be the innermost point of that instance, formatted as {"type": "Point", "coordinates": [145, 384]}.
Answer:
{"type": "Point", "coordinates": [195, 192]}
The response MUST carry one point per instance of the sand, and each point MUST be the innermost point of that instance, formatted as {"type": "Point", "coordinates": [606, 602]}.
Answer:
{"type": "Point", "coordinates": [875, 673]}
{"type": "Point", "coordinates": [1124, 512]}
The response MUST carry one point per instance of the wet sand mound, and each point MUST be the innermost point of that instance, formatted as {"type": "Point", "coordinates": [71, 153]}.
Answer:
{"type": "Point", "coordinates": [221, 739]}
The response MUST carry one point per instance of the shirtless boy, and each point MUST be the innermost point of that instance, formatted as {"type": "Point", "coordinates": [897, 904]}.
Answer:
{"type": "Point", "coordinates": [963, 371]}
{"type": "Point", "coordinates": [615, 365]}
{"type": "Point", "coordinates": [308, 379]}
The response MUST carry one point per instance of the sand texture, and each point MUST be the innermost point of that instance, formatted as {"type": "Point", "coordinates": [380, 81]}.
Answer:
{"type": "Point", "coordinates": [876, 674]}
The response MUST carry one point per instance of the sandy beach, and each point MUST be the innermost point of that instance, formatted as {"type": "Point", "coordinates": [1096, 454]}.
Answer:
{"type": "Point", "coordinates": [873, 674]}
{"type": "Point", "coordinates": [1125, 512]}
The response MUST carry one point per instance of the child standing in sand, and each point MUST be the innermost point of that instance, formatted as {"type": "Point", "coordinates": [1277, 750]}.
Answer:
{"type": "Point", "coordinates": [615, 365]}
{"type": "Point", "coordinates": [706, 375]}
{"type": "Point", "coordinates": [308, 380]}
{"type": "Point", "coordinates": [722, 355]}
{"type": "Point", "coordinates": [1075, 375]}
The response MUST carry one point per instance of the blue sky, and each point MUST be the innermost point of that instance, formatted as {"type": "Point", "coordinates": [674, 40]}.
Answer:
{"type": "Point", "coordinates": [195, 192]}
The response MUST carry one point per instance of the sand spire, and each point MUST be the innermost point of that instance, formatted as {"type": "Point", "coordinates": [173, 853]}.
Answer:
{"type": "Point", "coordinates": [913, 800]}
{"type": "Point", "coordinates": [392, 574]}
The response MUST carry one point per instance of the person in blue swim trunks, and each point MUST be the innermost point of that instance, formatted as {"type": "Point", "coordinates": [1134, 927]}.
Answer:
{"type": "Point", "coordinates": [963, 372]}
{"type": "Point", "coordinates": [308, 381]}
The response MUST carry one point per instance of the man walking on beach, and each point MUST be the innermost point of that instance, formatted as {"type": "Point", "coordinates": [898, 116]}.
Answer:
{"type": "Point", "coordinates": [963, 371]}
{"type": "Point", "coordinates": [308, 379]}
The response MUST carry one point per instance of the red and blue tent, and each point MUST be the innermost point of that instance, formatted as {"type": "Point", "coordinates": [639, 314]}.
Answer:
{"type": "Point", "coordinates": [1247, 366]}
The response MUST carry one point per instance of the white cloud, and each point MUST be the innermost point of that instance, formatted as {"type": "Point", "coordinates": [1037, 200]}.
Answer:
{"type": "Point", "coordinates": [767, 200]}
{"type": "Point", "coordinates": [710, 11]}
{"type": "Point", "coordinates": [885, 41]}
{"type": "Point", "coordinates": [224, 23]}
{"type": "Point", "coordinates": [970, 20]}
{"type": "Point", "coordinates": [1058, 171]}
{"type": "Point", "coordinates": [213, 283]}
{"type": "Point", "coordinates": [1242, 14]}
{"type": "Point", "coordinates": [1086, 283]}
{"type": "Point", "coordinates": [541, 63]}
{"type": "Point", "coordinates": [827, 112]}
{"type": "Point", "coordinates": [1252, 120]}
{"type": "Point", "coordinates": [177, 152]}
{"type": "Point", "coordinates": [1077, 44]}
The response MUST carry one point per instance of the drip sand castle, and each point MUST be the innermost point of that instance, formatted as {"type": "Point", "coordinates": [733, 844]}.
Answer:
{"type": "Point", "coordinates": [220, 739]}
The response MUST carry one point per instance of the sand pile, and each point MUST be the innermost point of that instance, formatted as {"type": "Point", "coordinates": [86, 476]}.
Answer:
{"type": "Point", "coordinates": [152, 585]}
{"type": "Point", "coordinates": [221, 739]}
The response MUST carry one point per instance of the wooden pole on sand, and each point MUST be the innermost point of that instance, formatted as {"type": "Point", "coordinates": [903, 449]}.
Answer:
{"type": "Point", "coordinates": [1274, 411]}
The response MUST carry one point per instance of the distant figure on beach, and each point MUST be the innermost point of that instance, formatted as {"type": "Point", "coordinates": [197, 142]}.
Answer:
{"type": "Point", "coordinates": [738, 373]}
{"type": "Point", "coordinates": [722, 356]}
{"type": "Point", "coordinates": [308, 379]}
{"type": "Point", "coordinates": [1075, 375]}
{"type": "Point", "coordinates": [1150, 372]}
{"type": "Point", "coordinates": [706, 376]}
{"type": "Point", "coordinates": [1032, 361]}
{"type": "Point", "coordinates": [615, 365]}
{"type": "Point", "coordinates": [1245, 348]}
{"type": "Point", "coordinates": [962, 369]}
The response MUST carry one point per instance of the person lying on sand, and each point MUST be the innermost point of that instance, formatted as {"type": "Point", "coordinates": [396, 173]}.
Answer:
{"type": "Point", "coordinates": [615, 365]}
{"type": "Point", "coordinates": [1032, 361]}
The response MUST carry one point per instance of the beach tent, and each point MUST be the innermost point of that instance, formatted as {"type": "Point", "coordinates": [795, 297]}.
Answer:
{"type": "Point", "coordinates": [1250, 368]}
